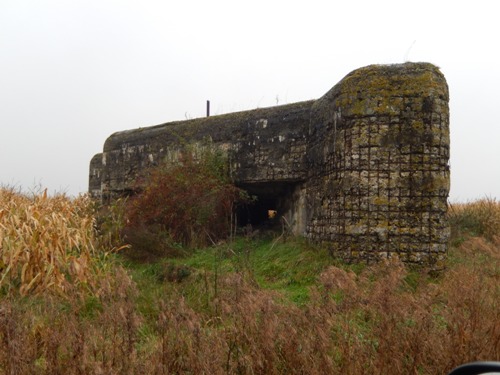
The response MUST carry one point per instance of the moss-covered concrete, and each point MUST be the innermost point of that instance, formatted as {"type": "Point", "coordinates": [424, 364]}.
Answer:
{"type": "Point", "coordinates": [367, 163]}
{"type": "Point", "coordinates": [382, 134]}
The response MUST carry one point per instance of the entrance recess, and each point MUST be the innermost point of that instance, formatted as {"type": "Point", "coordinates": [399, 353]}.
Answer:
{"type": "Point", "coordinates": [273, 201]}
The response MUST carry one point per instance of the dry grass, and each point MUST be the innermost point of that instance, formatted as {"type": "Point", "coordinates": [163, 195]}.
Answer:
{"type": "Point", "coordinates": [46, 243]}
{"type": "Point", "coordinates": [384, 319]}
{"type": "Point", "coordinates": [478, 218]}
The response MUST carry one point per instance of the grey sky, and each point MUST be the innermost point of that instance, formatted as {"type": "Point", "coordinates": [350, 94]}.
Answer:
{"type": "Point", "coordinates": [74, 71]}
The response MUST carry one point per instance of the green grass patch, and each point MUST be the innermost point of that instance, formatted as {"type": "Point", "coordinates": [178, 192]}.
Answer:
{"type": "Point", "coordinates": [290, 267]}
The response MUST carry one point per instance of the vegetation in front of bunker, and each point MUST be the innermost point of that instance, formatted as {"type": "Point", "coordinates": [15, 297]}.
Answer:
{"type": "Point", "coordinates": [251, 305]}
{"type": "Point", "coordinates": [187, 204]}
{"type": "Point", "coordinates": [48, 244]}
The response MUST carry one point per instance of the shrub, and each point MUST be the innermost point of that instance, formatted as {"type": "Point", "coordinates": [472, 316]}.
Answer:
{"type": "Point", "coordinates": [193, 201]}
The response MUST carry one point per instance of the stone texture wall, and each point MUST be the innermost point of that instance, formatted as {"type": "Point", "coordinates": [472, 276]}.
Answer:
{"type": "Point", "coordinates": [264, 145]}
{"type": "Point", "coordinates": [364, 168]}
{"type": "Point", "coordinates": [380, 140]}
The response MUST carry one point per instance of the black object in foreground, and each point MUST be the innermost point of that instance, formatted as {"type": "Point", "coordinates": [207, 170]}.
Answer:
{"type": "Point", "coordinates": [477, 368]}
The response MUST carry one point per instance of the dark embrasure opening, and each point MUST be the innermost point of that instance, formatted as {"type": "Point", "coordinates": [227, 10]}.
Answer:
{"type": "Point", "coordinates": [271, 200]}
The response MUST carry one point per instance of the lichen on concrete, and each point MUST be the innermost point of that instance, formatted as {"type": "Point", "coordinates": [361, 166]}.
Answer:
{"type": "Point", "coordinates": [364, 169]}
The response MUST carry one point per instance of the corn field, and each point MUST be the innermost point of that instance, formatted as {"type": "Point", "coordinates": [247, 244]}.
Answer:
{"type": "Point", "coordinates": [46, 243]}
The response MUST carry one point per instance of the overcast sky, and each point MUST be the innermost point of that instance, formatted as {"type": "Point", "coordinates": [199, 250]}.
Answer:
{"type": "Point", "coordinates": [74, 71]}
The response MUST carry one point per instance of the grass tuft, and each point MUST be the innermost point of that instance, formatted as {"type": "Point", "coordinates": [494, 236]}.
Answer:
{"type": "Point", "coordinates": [478, 218]}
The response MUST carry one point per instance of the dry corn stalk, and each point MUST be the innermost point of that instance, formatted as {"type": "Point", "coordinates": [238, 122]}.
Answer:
{"type": "Point", "coordinates": [46, 243]}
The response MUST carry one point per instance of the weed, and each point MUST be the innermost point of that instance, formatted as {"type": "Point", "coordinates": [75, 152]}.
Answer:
{"type": "Point", "coordinates": [231, 309]}
{"type": "Point", "coordinates": [478, 218]}
{"type": "Point", "coordinates": [192, 201]}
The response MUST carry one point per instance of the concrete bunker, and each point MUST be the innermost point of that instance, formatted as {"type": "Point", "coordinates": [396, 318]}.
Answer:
{"type": "Point", "coordinates": [363, 169]}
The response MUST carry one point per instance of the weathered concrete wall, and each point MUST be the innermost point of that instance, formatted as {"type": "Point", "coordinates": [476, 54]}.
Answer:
{"type": "Point", "coordinates": [380, 148]}
{"type": "Point", "coordinates": [363, 169]}
{"type": "Point", "coordinates": [264, 145]}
